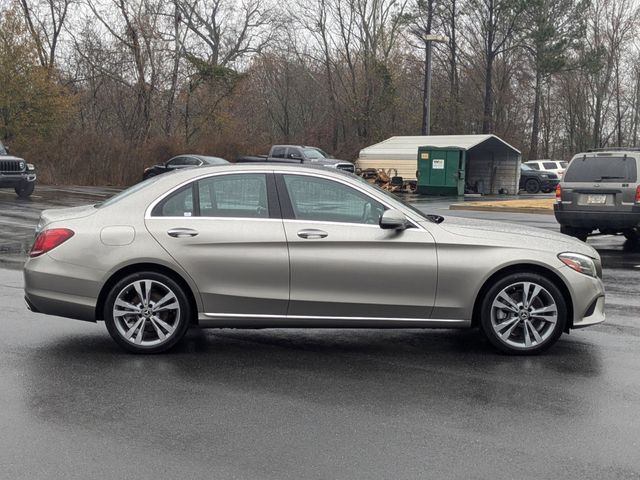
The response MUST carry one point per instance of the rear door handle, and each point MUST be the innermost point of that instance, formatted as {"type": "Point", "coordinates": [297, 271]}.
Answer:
{"type": "Point", "coordinates": [312, 233]}
{"type": "Point", "coordinates": [182, 232]}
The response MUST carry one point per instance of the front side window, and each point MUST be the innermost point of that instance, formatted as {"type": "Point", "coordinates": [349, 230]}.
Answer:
{"type": "Point", "coordinates": [319, 199]}
{"type": "Point", "coordinates": [278, 152]}
{"type": "Point", "coordinates": [191, 161]}
{"type": "Point", "coordinates": [177, 162]}
{"type": "Point", "coordinates": [241, 195]}
{"type": "Point", "coordinates": [550, 165]}
{"type": "Point", "coordinates": [533, 166]}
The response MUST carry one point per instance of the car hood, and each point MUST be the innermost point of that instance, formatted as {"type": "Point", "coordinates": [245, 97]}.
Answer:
{"type": "Point", "coordinates": [61, 214]}
{"type": "Point", "coordinates": [511, 234]}
{"type": "Point", "coordinates": [11, 157]}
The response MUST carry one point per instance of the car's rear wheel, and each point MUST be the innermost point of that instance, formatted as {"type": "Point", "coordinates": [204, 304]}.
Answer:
{"type": "Point", "coordinates": [147, 312]}
{"type": "Point", "coordinates": [532, 185]}
{"type": "Point", "coordinates": [579, 233]}
{"type": "Point", "coordinates": [25, 189]}
{"type": "Point", "coordinates": [523, 314]}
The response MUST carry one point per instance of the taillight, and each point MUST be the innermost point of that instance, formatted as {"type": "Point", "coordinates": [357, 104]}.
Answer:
{"type": "Point", "coordinates": [559, 193]}
{"type": "Point", "coordinates": [638, 194]}
{"type": "Point", "coordinates": [49, 239]}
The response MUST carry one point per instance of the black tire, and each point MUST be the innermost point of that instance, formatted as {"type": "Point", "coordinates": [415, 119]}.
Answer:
{"type": "Point", "coordinates": [149, 322]}
{"type": "Point", "coordinates": [579, 233]}
{"type": "Point", "coordinates": [532, 185]}
{"type": "Point", "coordinates": [632, 235]}
{"type": "Point", "coordinates": [514, 327]}
{"type": "Point", "coordinates": [25, 189]}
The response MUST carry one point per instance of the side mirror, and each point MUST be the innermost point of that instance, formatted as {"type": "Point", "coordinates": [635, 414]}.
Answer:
{"type": "Point", "coordinates": [393, 220]}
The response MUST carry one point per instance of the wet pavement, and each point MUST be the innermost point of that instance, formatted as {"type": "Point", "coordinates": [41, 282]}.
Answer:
{"type": "Point", "coordinates": [314, 404]}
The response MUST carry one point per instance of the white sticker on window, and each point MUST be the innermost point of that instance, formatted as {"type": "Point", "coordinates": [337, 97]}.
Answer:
{"type": "Point", "coordinates": [187, 214]}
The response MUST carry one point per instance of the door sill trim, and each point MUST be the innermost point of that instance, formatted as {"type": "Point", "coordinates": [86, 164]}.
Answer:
{"type": "Point", "coordinates": [241, 320]}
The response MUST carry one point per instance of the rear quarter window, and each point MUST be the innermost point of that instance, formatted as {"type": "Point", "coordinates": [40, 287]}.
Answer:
{"type": "Point", "coordinates": [602, 169]}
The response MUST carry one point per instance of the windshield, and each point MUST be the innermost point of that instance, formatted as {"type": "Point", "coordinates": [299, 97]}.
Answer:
{"type": "Point", "coordinates": [3, 151]}
{"type": "Point", "coordinates": [525, 167]}
{"type": "Point", "coordinates": [125, 193]}
{"type": "Point", "coordinates": [603, 169]}
{"type": "Point", "coordinates": [314, 154]}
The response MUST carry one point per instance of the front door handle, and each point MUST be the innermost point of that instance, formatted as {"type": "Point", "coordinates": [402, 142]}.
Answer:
{"type": "Point", "coordinates": [182, 232]}
{"type": "Point", "coordinates": [312, 233]}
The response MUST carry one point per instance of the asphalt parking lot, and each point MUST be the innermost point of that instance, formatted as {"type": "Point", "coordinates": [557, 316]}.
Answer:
{"type": "Point", "coordinates": [314, 404]}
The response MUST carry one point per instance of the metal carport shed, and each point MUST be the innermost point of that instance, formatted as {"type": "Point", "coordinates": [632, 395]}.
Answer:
{"type": "Point", "coordinates": [445, 164]}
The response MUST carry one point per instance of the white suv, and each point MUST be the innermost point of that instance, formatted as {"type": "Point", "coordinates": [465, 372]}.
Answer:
{"type": "Point", "coordinates": [556, 166]}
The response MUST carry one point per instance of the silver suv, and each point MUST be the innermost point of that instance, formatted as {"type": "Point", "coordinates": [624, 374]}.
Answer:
{"type": "Point", "coordinates": [600, 191]}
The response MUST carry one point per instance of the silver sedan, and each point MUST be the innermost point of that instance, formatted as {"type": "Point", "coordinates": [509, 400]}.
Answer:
{"type": "Point", "coordinates": [258, 246]}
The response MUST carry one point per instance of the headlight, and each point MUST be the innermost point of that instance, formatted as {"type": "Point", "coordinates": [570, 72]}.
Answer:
{"type": "Point", "coordinates": [579, 263]}
{"type": "Point", "coordinates": [544, 176]}
{"type": "Point", "coordinates": [31, 167]}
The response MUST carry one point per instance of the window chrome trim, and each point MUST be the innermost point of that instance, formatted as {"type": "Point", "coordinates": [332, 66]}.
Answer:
{"type": "Point", "coordinates": [278, 170]}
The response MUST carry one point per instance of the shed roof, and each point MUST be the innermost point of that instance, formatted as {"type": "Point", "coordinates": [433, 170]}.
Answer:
{"type": "Point", "coordinates": [406, 148]}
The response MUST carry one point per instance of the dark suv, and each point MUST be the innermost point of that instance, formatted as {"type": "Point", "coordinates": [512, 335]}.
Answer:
{"type": "Point", "coordinates": [600, 191]}
{"type": "Point", "coordinates": [534, 181]}
{"type": "Point", "coordinates": [16, 173]}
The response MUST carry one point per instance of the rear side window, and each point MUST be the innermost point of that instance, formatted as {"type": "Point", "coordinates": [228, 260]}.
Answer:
{"type": "Point", "coordinates": [602, 170]}
{"type": "Point", "coordinates": [550, 165]}
{"type": "Point", "coordinates": [180, 204]}
{"type": "Point", "coordinates": [239, 195]}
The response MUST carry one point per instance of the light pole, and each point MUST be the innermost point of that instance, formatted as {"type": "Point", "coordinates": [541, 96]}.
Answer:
{"type": "Point", "coordinates": [429, 39]}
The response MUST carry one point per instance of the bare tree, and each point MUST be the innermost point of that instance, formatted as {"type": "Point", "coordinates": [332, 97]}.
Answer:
{"type": "Point", "coordinates": [45, 20]}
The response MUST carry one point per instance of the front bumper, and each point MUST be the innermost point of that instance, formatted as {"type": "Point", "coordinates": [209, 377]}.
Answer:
{"type": "Point", "coordinates": [16, 180]}
{"type": "Point", "coordinates": [588, 298]}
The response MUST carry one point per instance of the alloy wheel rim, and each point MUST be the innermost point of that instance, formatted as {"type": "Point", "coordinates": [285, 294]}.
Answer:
{"type": "Point", "coordinates": [146, 313]}
{"type": "Point", "coordinates": [524, 315]}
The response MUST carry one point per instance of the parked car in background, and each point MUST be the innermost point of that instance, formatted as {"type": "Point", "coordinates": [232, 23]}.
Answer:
{"type": "Point", "coordinates": [299, 154]}
{"type": "Point", "coordinates": [534, 181]}
{"type": "Point", "coordinates": [600, 191]}
{"type": "Point", "coordinates": [16, 173]}
{"type": "Point", "coordinates": [182, 161]}
{"type": "Point", "coordinates": [257, 246]}
{"type": "Point", "coordinates": [553, 166]}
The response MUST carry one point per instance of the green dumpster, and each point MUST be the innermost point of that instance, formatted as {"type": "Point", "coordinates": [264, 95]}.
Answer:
{"type": "Point", "coordinates": [441, 171]}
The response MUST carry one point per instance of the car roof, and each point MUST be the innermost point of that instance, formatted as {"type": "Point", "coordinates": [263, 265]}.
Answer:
{"type": "Point", "coordinates": [204, 158]}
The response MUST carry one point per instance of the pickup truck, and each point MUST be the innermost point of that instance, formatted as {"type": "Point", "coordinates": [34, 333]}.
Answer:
{"type": "Point", "coordinates": [299, 154]}
{"type": "Point", "coordinates": [16, 173]}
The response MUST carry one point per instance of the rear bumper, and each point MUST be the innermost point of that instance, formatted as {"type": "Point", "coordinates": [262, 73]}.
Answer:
{"type": "Point", "coordinates": [61, 289]}
{"type": "Point", "coordinates": [597, 219]}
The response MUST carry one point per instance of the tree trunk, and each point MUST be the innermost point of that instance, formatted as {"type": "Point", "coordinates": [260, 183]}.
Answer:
{"type": "Point", "coordinates": [487, 119]}
{"type": "Point", "coordinates": [535, 127]}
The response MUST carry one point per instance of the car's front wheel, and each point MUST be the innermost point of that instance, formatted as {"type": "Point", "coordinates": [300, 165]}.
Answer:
{"type": "Point", "coordinates": [147, 312]}
{"type": "Point", "coordinates": [523, 314]}
{"type": "Point", "coordinates": [25, 189]}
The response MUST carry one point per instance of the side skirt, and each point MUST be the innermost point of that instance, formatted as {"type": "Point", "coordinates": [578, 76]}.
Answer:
{"type": "Point", "coordinates": [228, 320]}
